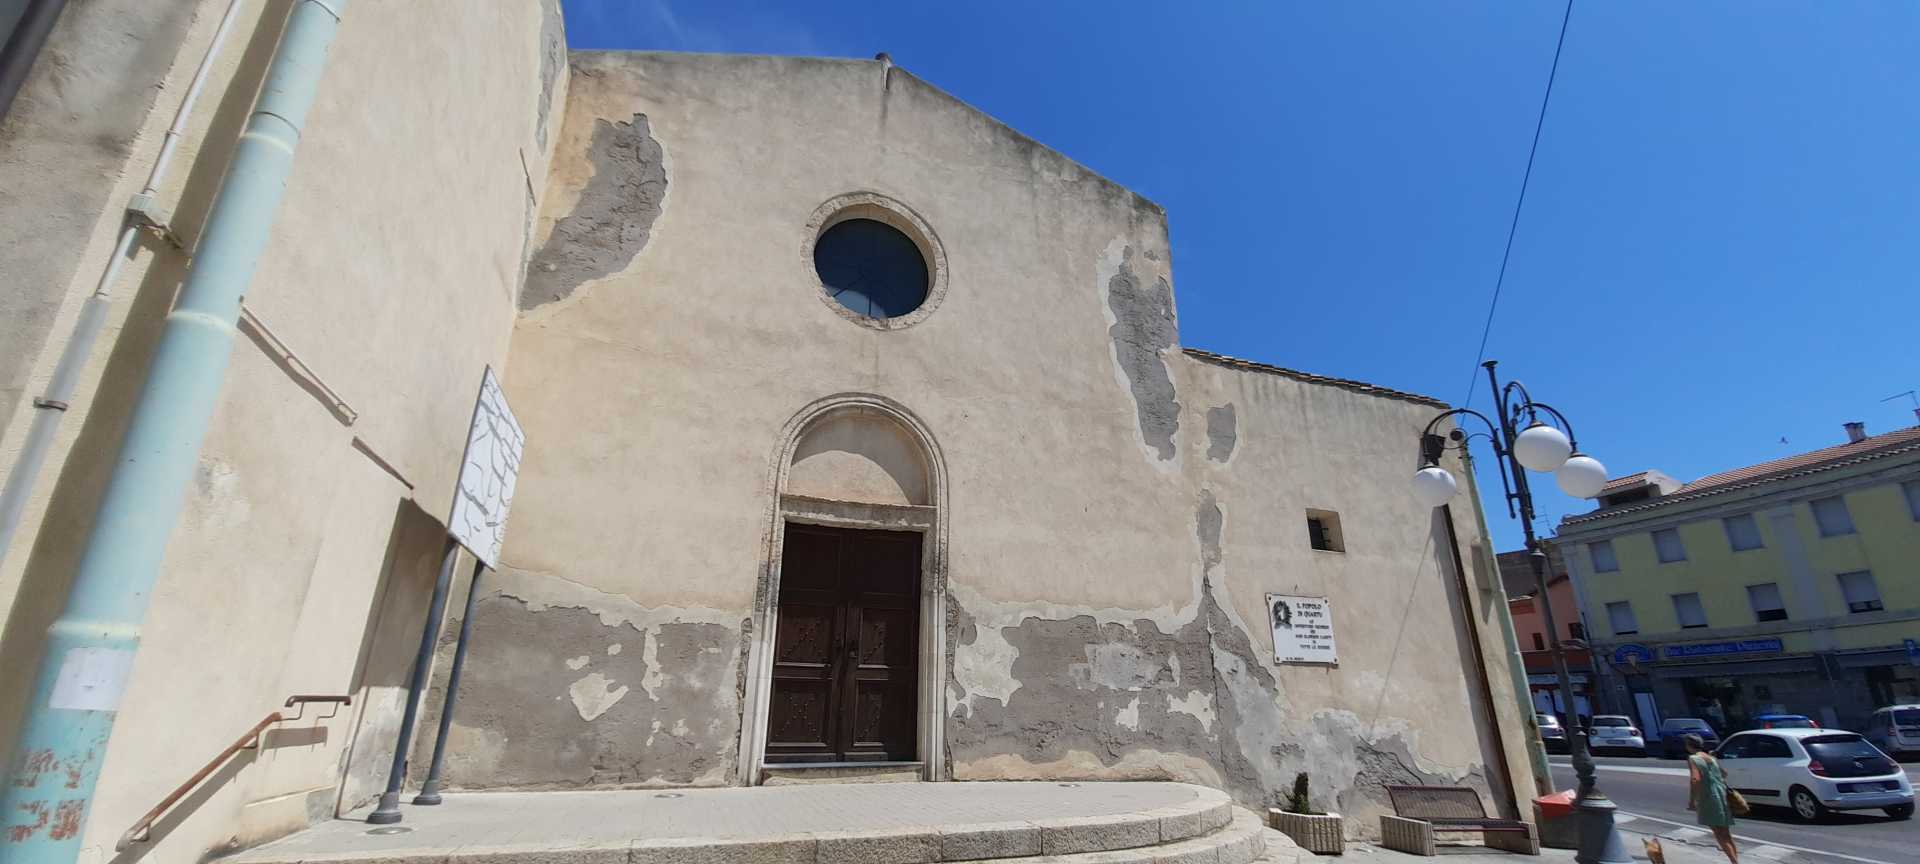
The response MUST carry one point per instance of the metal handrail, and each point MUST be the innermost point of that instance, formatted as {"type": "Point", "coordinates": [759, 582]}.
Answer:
{"type": "Point", "coordinates": [139, 832]}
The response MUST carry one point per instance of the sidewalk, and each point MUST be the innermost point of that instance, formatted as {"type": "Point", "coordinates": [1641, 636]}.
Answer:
{"type": "Point", "coordinates": [1677, 852]}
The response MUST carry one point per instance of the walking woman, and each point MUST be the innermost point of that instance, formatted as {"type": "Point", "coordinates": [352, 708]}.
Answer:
{"type": "Point", "coordinates": [1707, 796]}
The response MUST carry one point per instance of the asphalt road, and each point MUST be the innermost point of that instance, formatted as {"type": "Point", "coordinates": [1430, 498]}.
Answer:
{"type": "Point", "coordinates": [1656, 791]}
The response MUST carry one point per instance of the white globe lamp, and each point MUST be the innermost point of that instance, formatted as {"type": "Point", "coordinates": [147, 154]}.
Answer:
{"type": "Point", "coordinates": [1541, 447]}
{"type": "Point", "coordinates": [1433, 486]}
{"type": "Point", "coordinates": [1582, 476]}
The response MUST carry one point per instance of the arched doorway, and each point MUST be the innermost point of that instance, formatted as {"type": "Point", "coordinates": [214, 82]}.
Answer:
{"type": "Point", "coordinates": [849, 629]}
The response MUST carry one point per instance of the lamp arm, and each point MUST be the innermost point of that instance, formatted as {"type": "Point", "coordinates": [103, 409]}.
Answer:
{"type": "Point", "coordinates": [1429, 453]}
{"type": "Point", "coordinates": [1572, 439]}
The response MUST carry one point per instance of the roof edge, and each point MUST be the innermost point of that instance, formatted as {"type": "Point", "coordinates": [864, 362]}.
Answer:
{"type": "Point", "coordinates": [1310, 378]}
{"type": "Point", "coordinates": [894, 66]}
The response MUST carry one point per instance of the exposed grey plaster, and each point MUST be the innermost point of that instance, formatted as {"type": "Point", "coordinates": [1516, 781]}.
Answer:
{"type": "Point", "coordinates": [553, 57]}
{"type": "Point", "coordinates": [1143, 327]}
{"type": "Point", "coordinates": [1207, 525]}
{"type": "Point", "coordinates": [675, 720]}
{"type": "Point", "coordinates": [613, 218]}
{"type": "Point", "coordinates": [1201, 692]}
{"type": "Point", "coordinates": [1104, 689]}
{"type": "Point", "coordinates": [1222, 432]}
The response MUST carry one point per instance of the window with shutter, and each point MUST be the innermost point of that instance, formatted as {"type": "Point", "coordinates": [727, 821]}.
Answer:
{"type": "Point", "coordinates": [1860, 591]}
{"type": "Point", "coordinates": [1765, 599]}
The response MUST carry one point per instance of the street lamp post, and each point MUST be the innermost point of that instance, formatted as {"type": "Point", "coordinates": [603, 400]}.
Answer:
{"type": "Point", "coordinates": [1538, 446]}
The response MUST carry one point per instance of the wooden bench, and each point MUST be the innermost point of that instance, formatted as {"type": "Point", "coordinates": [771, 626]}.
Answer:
{"type": "Point", "coordinates": [1422, 811]}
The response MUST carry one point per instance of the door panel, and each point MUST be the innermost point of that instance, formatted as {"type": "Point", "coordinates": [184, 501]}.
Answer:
{"type": "Point", "coordinates": [847, 648]}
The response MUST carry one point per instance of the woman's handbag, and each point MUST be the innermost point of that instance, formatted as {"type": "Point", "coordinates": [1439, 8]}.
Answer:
{"type": "Point", "coordinates": [1738, 802]}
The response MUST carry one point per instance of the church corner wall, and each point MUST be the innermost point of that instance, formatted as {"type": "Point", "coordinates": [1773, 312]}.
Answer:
{"type": "Point", "coordinates": [312, 529]}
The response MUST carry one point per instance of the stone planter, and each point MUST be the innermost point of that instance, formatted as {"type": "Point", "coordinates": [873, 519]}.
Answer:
{"type": "Point", "coordinates": [1323, 834]}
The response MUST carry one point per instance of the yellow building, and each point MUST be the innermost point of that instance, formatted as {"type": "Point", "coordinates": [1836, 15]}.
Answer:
{"type": "Point", "coordinates": [1789, 586]}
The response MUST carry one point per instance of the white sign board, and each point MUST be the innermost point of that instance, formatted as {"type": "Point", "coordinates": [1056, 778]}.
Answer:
{"type": "Point", "coordinates": [487, 474]}
{"type": "Point", "coordinates": [1302, 629]}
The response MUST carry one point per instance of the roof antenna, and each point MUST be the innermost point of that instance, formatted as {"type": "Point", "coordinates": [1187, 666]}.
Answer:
{"type": "Point", "coordinates": [1910, 395]}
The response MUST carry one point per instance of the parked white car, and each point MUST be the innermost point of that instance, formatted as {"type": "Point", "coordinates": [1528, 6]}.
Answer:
{"type": "Point", "coordinates": [1896, 730]}
{"type": "Point", "coordinates": [1615, 732]}
{"type": "Point", "coordinates": [1815, 771]}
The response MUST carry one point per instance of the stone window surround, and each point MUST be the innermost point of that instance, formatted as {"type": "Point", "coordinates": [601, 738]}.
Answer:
{"type": "Point", "coordinates": [880, 208]}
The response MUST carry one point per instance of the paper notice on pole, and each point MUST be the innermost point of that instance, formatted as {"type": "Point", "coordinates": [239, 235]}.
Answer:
{"type": "Point", "coordinates": [1302, 629]}
{"type": "Point", "coordinates": [478, 519]}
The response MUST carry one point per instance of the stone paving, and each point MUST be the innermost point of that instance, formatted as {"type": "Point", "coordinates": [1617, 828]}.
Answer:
{"type": "Point", "coordinates": [498, 823]}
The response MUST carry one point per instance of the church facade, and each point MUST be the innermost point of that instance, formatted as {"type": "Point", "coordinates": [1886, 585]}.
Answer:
{"type": "Point", "coordinates": [861, 440]}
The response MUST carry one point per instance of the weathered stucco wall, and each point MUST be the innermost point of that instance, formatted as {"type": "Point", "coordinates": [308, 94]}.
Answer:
{"type": "Point", "coordinates": [1115, 509]}
{"type": "Point", "coordinates": [310, 537]}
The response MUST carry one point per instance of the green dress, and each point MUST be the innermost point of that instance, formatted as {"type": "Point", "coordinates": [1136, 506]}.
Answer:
{"type": "Point", "coordinates": [1711, 806]}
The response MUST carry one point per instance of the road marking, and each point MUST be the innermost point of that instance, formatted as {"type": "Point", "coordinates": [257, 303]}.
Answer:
{"type": "Point", "coordinates": [1631, 769]}
{"type": "Point", "coordinates": [1757, 842]}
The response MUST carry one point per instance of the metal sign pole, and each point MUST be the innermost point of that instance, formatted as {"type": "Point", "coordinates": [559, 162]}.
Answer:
{"type": "Point", "coordinates": [430, 791]}
{"type": "Point", "coordinates": [389, 810]}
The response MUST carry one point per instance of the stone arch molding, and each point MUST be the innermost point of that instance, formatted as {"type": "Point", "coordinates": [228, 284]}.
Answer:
{"type": "Point", "coordinates": [855, 460]}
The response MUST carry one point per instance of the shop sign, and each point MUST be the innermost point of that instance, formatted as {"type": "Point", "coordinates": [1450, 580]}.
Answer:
{"type": "Point", "coordinates": [1302, 629]}
{"type": "Point", "coordinates": [1718, 649]}
{"type": "Point", "coordinates": [1632, 653]}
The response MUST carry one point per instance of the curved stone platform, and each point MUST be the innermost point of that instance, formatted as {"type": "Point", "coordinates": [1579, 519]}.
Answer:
{"type": "Point", "coordinates": [1108, 823]}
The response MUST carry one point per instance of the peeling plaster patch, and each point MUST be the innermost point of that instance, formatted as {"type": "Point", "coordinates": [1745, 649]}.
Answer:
{"type": "Point", "coordinates": [1143, 327]}
{"type": "Point", "coordinates": [553, 56]}
{"type": "Point", "coordinates": [1222, 432]}
{"type": "Point", "coordinates": [613, 650]}
{"type": "Point", "coordinates": [595, 731]}
{"type": "Point", "coordinates": [1197, 705]}
{"type": "Point", "coordinates": [613, 218]}
{"type": "Point", "coordinates": [578, 663]}
{"type": "Point", "coordinates": [650, 654]}
{"type": "Point", "coordinates": [1208, 523]}
{"type": "Point", "coordinates": [1129, 716]}
{"type": "Point", "coordinates": [594, 694]}
{"type": "Point", "coordinates": [1117, 667]}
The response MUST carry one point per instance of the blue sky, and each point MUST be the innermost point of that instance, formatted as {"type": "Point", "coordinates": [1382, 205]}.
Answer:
{"type": "Point", "coordinates": [1720, 245]}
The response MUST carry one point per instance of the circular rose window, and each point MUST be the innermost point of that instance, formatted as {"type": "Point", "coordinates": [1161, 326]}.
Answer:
{"type": "Point", "coordinates": [871, 268]}
{"type": "Point", "coordinates": [877, 263]}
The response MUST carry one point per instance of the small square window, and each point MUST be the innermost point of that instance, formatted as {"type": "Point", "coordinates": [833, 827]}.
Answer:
{"type": "Point", "coordinates": [1912, 488]}
{"type": "Point", "coordinates": [1861, 593]}
{"type": "Point", "coordinates": [1576, 631]}
{"type": "Point", "coordinates": [1620, 615]}
{"type": "Point", "coordinates": [1742, 532]}
{"type": "Point", "coordinates": [1603, 560]}
{"type": "Point", "coordinates": [1539, 642]}
{"type": "Point", "coordinates": [1832, 516]}
{"type": "Point", "coordinates": [1667, 546]}
{"type": "Point", "coordinates": [1323, 531]}
{"type": "Point", "coordinates": [1765, 599]}
{"type": "Point", "coordinates": [1687, 608]}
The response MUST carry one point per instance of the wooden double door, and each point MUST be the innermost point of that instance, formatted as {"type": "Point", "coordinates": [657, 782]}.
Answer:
{"type": "Point", "coordinates": [847, 647]}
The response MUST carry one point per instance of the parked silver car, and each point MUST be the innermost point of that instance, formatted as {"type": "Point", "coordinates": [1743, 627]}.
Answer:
{"type": "Point", "coordinates": [1552, 734]}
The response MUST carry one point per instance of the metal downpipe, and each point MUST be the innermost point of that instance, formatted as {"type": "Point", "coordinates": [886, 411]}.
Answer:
{"type": "Point", "coordinates": [89, 651]}
{"type": "Point", "coordinates": [23, 47]}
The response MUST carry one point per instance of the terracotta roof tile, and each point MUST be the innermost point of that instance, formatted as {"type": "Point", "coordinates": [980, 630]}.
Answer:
{"type": "Point", "coordinates": [1898, 442]}
{"type": "Point", "coordinates": [1619, 483]}
{"type": "Point", "coordinates": [1343, 383]}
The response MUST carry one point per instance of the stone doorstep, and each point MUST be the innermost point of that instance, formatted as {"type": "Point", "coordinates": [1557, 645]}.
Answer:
{"type": "Point", "coordinates": [841, 772]}
{"type": "Point", "coordinates": [1190, 833]}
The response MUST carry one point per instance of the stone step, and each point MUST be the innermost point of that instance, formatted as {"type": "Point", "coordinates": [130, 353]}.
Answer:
{"type": "Point", "coordinates": [1192, 827]}
{"type": "Point", "coordinates": [1242, 841]}
{"type": "Point", "coordinates": [1202, 828]}
{"type": "Point", "coordinates": [842, 772]}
